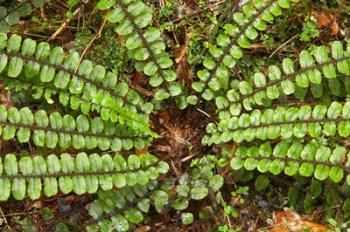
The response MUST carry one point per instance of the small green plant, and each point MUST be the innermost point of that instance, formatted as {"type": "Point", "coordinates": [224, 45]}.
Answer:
{"type": "Point", "coordinates": [91, 130]}
{"type": "Point", "coordinates": [309, 30]}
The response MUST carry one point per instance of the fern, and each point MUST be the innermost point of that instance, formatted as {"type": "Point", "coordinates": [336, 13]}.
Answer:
{"type": "Point", "coordinates": [293, 157]}
{"type": "Point", "coordinates": [222, 58]}
{"type": "Point", "coordinates": [92, 114]}
{"type": "Point", "coordinates": [145, 45]}
{"type": "Point", "coordinates": [118, 209]}
{"type": "Point", "coordinates": [66, 131]}
{"type": "Point", "coordinates": [283, 123]}
{"type": "Point", "coordinates": [81, 174]}
{"type": "Point", "coordinates": [319, 62]}
{"type": "Point", "coordinates": [198, 184]}
{"type": "Point", "coordinates": [27, 60]}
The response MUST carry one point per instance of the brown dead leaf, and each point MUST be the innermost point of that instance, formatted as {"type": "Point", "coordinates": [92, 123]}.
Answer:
{"type": "Point", "coordinates": [182, 71]}
{"type": "Point", "coordinates": [181, 53]}
{"type": "Point", "coordinates": [141, 151]}
{"type": "Point", "coordinates": [314, 227]}
{"type": "Point", "coordinates": [137, 78]}
{"type": "Point", "coordinates": [143, 229]}
{"type": "Point", "coordinates": [289, 221]}
{"type": "Point", "coordinates": [335, 28]}
{"type": "Point", "coordinates": [6, 102]}
{"type": "Point", "coordinates": [326, 19]}
{"type": "Point", "coordinates": [164, 117]}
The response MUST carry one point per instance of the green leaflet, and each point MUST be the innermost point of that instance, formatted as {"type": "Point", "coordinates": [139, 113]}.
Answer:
{"type": "Point", "coordinates": [284, 123]}
{"type": "Point", "coordinates": [65, 131]}
{"type": "Point", "coordinates": [81, 174]}
{"type": "Point", "coordinates": [292, 157]}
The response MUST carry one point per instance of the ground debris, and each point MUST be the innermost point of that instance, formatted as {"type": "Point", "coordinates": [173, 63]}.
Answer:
{"type": "Point", "coordinates": [289, 221]}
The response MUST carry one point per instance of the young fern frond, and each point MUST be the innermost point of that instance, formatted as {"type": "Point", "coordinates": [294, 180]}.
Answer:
{"type": "Point", "coordinates": [204, 183]}
{"type": "Point", "coordinates": [30, 61]}
{"type": "Point", "coordinates": [293, 157]}
{"type": "Point", "coordinates": [298, 122]}
{"type": "Point", "coordinates": [256, 14]}
{"type": "Point", "coordinates": [146, 46]}
{"type": "Point", "coordinates": [81, 174]}
{"type": "Point", "coordinates": [66, 131]}
{"type": "Point", "coordinates": [314, 64]}
{"type": "Point", "coordinates": [116, 210]}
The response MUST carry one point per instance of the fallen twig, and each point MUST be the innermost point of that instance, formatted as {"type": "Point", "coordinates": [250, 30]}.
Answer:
{"type": "Point", "coordinates": [63, 25]}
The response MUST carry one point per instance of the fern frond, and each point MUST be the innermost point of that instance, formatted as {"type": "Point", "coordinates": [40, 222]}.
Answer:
{"type": "Point", "coordinates": [66, 131]}
{"type": "Point", "coordinates": [146, 46]}
{"type": "Point", "coordinates": [81, 174]}
{"type": "Point", "coordinates": [118, 209]}
{"type": "Point", "coordinates": [283, 122]}
{"type": "Point", "coordinates": [204, 183]}
{"type": "Point", "coordinates": [314, 64]}
{"type": "Point", "coordinates": [85, 103]}
{"type": "Point", "coordinates": [30, 61]}
{"type": "Point", "coordinates": [256, 14]}
{"type": "Point", "coordinates": [293, 157]}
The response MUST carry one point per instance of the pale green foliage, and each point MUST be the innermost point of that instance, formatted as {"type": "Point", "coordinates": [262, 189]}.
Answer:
{"type": "Point", "coordinates": [121, 124]}
{"type": "Point", "coordinates": [145, 45]}
{"type": "Point", "coordinates": [288, 118]}
{"type": "Point", "coordinates": [84, 173]}
{"type": "Point", "coordinates": [316, 65]}
{"type": "Point", "coordinates": [126, 206]}
{"type": "Point", "coordinates": [310, 30]}
{"type": "Point", "coordinates": [284, 123]}
{"type": "Point", "coordinates": [230, 43]}
{"type": "Point", "coordinates": [95, 111]}
{"type": "Point", "coordinates": [89, 87]}
{"type": "Point", "coordinates": [293, 157]}
{"type": "Point", "coordinates": [55, 130]}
